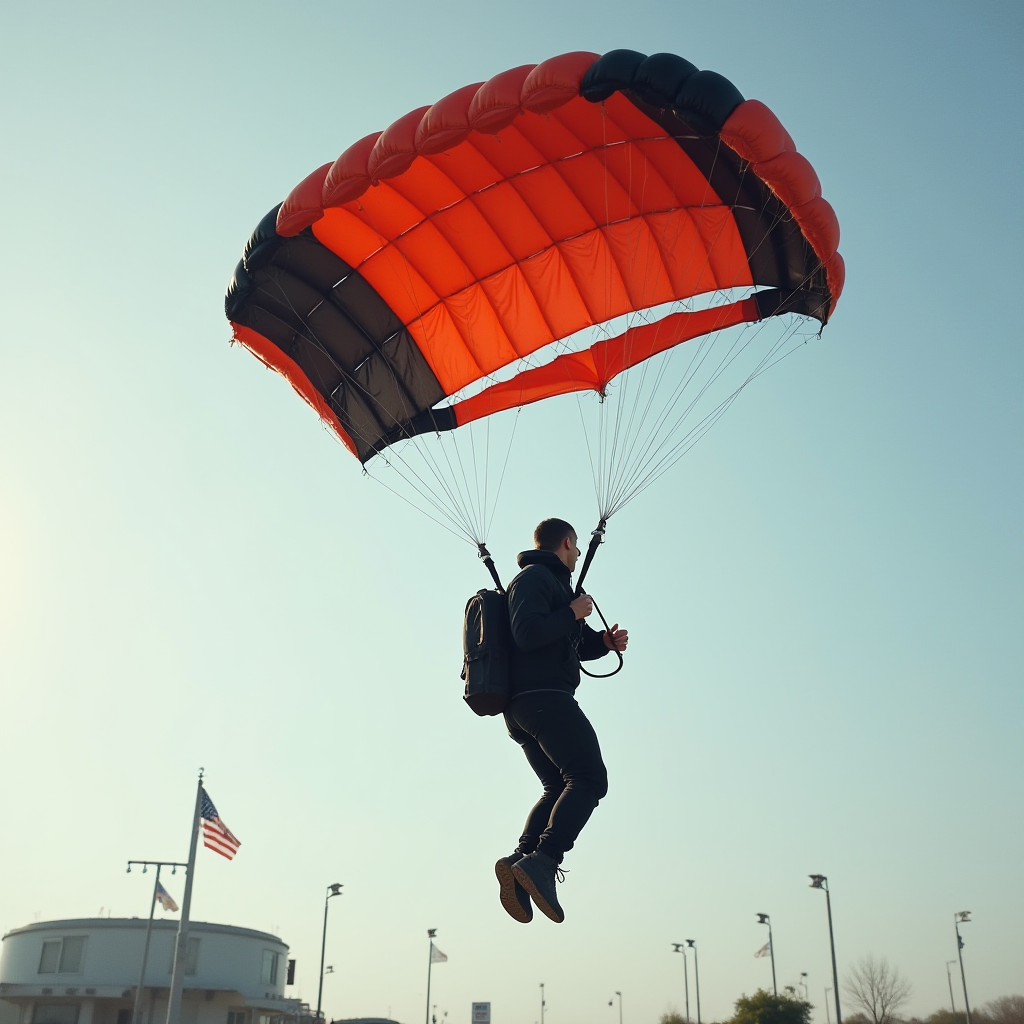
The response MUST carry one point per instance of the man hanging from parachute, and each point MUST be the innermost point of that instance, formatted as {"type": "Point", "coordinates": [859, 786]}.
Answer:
{"type": "Point", "coordinates": [624, 229]}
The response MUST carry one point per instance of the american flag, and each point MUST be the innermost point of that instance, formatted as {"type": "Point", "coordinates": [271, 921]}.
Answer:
{"type": "Point", "coordinates": [216, 835]}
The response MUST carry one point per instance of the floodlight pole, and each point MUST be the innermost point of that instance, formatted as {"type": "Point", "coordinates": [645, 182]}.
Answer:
{"type": "Point", "coordinates": [696, 973]}
{"type": "Point", "coordinates": [949, 980]}
{"type": "Point", "coordinates": [542, 1004]}
{"type": "Point", "coordinates": [962, 917]}
{"type": "Point", "coordinates": [680, 947]}
{"type": "Point", "coordinates": [821, 882]}
{"type": "Point", "coordinates": [158, 864]}
{"type": "Point", "coordinates": [332, 890]}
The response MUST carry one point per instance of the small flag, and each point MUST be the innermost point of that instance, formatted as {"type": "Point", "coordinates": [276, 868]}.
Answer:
{"type": "Point", "coordinates": [436, 956]}
{"type": "Point", "coordinates": [765, 950]}
{"type": "Point", "coordinates": [163, 897]}
{"type": "Point", "coordinates": [216, 835]}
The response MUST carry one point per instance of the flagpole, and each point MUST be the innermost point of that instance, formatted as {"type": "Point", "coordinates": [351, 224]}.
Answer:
{"type": "Point", "coordinates": [430, 963]}
{"type": "Point", "coordinates": [181, 945]}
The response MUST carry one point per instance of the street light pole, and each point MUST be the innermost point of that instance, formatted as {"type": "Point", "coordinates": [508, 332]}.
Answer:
{"type": "Point", "coordinates": [619, 994]}
{"type": "Point", "coordinates": [828, 1016]}
{"type": "Point", "coordinates": [765, 919]}
{"type": "Point", "coordinates": [962, 917]}
{"type": "Point", "coordinates": [949, 980]}
{"type": "Point", "coordinates": [680, 947]}
{"type": "Point", "coordinates": [158, 864]}
{"type": "Point", "coordinates": [803, 982]}
{"type": "Point", "coordinates": [542, 1002]}
{"type": "Point", "coordinates": [696, 973]}
{"type": "Point", "coordinates": [332, 891]}
{"type": "Point", "coordinates": [821, 882]}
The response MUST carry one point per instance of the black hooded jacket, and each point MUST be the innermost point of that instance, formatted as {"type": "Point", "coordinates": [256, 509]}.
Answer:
{"type": "Point", "coordinates": [550, 641]}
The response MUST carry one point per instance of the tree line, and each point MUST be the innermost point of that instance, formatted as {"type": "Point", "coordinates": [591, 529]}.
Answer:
{"type": "Point", "coordinates": [875, 992]}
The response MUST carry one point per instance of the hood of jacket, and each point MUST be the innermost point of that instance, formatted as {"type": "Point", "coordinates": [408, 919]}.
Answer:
{"type": "Point", "coordinates": [549, 560]}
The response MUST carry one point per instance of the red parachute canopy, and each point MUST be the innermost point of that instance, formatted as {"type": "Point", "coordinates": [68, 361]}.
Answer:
{"type": "Point", "coordinates": [513, 213]}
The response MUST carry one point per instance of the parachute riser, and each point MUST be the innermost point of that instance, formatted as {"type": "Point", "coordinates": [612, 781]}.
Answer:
{"type": "Point", "coordinates": [596, 540]}
{"type": "Point", "coordinates": [485, 556]}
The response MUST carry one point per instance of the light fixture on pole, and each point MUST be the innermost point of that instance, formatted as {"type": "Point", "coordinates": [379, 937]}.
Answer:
{"type": "Point", "coordinates": [696, 973]}
{"type": "Point", "coordinates": [332, 891]}
{"type": "Point", "coordinates": [542, 1003]}
{"type": "Point", "coordinates": [681, 947]}
{"type": "Point", "coordinates": [962, 917]}
{"type": "Point", "coordinates": [949, 981]}
{"type": "Point", "coordinates": [158, 864]}
{"type": "Point", "coordinates": [765, 919]}
{"type": "Point", "coordinates": [821, 882]}
{"type": "Point", "coordinates": [611, 1002]}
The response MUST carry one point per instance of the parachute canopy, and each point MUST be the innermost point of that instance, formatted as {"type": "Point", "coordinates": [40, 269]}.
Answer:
{"type": "Point", "coordinates": [514, 213]}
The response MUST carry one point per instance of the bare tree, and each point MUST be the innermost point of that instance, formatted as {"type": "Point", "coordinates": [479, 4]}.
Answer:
{"type": "Point", "coordinates": [1006, 1010]}
{"type": "Point", "coordinates": [877, 988]}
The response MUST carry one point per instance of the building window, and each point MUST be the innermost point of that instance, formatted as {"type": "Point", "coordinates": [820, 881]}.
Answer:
{"type": "Point", "coordinates": [55, 1013]}
{"type": "Point", "coordinates": [62, 956]}
{"type": "Point", "coordinates": [191, 957]}
{"type": "Point", "coordinates": [236, 1016]}
{"type": "Point", "coordinates": [124, 1016]}
{"type": "Point", "coordinates": [270, 962]}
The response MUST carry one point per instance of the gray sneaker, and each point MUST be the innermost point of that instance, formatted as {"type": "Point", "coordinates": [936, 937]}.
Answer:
{"type": "Point", "coordinates": [536, 874]}
{"type": "Point", "coordinates": [514, 898]}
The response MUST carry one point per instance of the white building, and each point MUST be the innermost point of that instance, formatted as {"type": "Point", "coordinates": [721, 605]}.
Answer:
{"type": "Point", "coordinates": [85, 971]}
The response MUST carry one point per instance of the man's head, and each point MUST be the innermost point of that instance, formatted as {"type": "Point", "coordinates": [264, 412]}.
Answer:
{"type": "Point", "coordinates": [557, 536]}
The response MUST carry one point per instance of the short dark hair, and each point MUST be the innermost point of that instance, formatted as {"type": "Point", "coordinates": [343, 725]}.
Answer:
{"type": "Point", "coordinates": [550, 534]}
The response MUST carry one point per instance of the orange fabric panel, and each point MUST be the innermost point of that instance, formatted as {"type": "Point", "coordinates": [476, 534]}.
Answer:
{"type": "Point", "coordinates": [395, 150]}
{"type": "Point", "coordinates": [444, 350]}
{"type": "Point", "coordinates": [638, 257]}
{"type": "Point", "coordinates": [562, 376]}
{"type": "Point", "coordinates": [436, 260]}
{"type": "Point", "coordinates": [465, 227]}
{"type": "Point", "coordinates": [557, 295]}
{"type": "Point", "coordinates": [271, 356]}
{"type": "Point", "coordinates": [613, 356]}
{"type": "Point", "coordinates": [348, 235]}
{"type": "Point", "coordinates": [553, 203]}
{"type": "Point", "coordinates": [593, 268]}
{"type": "Point", "coordinates": [683, 252]}
{"type": "Point", "coordinates": [513, 221]}
{"type": "Point", "coordinates": [481, 331]}
{"type": "Point", "coordinates": [726, 255]}
{"type": "Point", "coordinates": [516, 307]}
{"type": "Point", "coordinates": [594, 368]}
{"type": "Point", "coordinates": [426, 187]}
{"type": "Point", "coordinates": [397, 280]}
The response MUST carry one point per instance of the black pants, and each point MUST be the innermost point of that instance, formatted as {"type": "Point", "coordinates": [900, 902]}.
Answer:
{"type": "Point", "coordinates": [562, 748]}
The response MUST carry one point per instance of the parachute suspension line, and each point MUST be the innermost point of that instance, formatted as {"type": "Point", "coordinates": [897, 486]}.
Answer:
{"type": "Point", "coordinates": [660, 461]}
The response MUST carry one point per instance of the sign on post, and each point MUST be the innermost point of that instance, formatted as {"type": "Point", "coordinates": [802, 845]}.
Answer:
{"type": "Point", "coordinates": [481, 1013]}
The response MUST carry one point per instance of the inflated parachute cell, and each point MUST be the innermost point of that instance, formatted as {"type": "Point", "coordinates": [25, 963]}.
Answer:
{"type": "Point", "coordinates": [514, 213]}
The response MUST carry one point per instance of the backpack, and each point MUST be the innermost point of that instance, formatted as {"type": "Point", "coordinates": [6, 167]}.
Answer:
{"type": "Point", "coordinates": [486, 647]}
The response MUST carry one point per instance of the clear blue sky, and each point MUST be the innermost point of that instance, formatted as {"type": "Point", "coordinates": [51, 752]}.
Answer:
{"type": "Point", "coordinates": [825, 597]}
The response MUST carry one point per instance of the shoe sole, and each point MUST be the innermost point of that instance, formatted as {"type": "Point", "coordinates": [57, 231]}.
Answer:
{"type": "Point", "coordinates": [507, 893]}
{"type": "Point", "coordinates": [542, 904]}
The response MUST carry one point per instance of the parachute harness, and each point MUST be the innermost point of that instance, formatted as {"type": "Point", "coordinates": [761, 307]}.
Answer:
{"type": "Point", "coordinates": [596, 540]}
